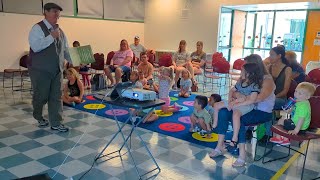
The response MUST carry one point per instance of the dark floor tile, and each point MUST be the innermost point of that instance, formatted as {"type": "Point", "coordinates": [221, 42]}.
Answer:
{"type": "Point", "coordinates": [26, 146]}
{"type": "Point", "coordinates": [37, 134]}
{"type": "Point", "coordinates": [94, 174]}
{"type": "Point", "coordinates": [6, 175]}
{"type": "Point", "coordinates": [62, 145]}
{"type": "Point", "coordinates": [75, 124]}
{"type": "Point", "coordinates": [54, 160]}
{"type": "Point", "coordinates": [14, 160]}
{"type": "Point", "coordinates": [70, 134]}
{"type": "Point", "coordinates": [259, 172]}
{"type": "Point", "coordinates": [7, 133]}
{"type": "Point", "coordinates": [15, 124]}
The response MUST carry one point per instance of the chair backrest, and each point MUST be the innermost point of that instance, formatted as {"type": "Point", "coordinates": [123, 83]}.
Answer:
{"type": "Point", "coordinates": [221, 66]}
{"type": "Point", "coordinates": [99, 63]}
{"type": "Point", "coordinates": [315, 115]}
{"type": "Point", "coordinates": [152, 58]}
{"type": "Point", "coordinates": [312, 65]}
{"type": "Point", "coordinates": [165, 60]}
{"type": "Point", "coordinates": [237, 65]}
{"type": "Point", "coordinates": [109, 57]}
{"type": "Point", "coordinates": [24, 61]}
{"type": "Point", "coordinates": [292, 88]}
{"type": "Point", "coordinates": [314, 76]}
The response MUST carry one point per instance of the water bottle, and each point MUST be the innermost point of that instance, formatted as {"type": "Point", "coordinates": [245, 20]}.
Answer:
{"type": "Point", "coordinates": [289, 104]}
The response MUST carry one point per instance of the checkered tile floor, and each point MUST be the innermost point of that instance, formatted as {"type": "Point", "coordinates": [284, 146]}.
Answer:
{"type": "Point", "coordinates": [26, 150]}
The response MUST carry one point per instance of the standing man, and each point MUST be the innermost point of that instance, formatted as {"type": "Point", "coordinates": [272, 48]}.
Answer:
{"type": "Point", "coordinates": [48, 50]}
{"type": "Point", "coordinates": [137, 49]}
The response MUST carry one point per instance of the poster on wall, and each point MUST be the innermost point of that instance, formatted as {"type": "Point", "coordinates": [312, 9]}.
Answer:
{"type": "Point", "coordinates": [124, 9]}
{"type": "Point", "coordinates": [81, 55]}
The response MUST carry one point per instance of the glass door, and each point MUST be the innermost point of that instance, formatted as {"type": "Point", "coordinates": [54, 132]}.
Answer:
{"type": "Point", "coordinates": [225, 34]}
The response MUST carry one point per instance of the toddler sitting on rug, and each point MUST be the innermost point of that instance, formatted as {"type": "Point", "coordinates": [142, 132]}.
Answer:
{"type": "Point", "coordinates": [163, 88]}
{"type": "Point", "coordinates": [73, 90]}
{"type": "Point", "coordinates": [300, 113]}
{"type": "Point", "coordinates": [185, 84]}
{"type": "Point", "coordinates": [200, 116]}
{"type": "Point", "coordinates": [214, 98]}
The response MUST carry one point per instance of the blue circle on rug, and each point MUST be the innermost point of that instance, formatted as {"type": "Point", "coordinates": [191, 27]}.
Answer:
{"type": "Point", "coordinates": [185, 119]}
{"type": "Point", "coordinates": [176, 95]}
{"type": "Point", "coordinates": [184, 108]}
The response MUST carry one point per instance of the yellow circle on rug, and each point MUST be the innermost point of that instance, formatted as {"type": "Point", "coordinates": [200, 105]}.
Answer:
{"type": "Point", "coordinates": [94, 106]}
{"type": "Point", "coordinates": [197, 136]}
{"type": "Point", "coordinates": [162, 114]}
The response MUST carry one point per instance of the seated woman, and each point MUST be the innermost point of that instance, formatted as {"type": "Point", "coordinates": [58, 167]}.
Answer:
{"type": "Point", "coordinates": [73, 90]}
{"type": "Point", "coordinates": [198, 58]}
{"type": "Point", "coordinates": [264, 106]}
{"type": "Point", "coordinates": [120, 63]}
{"type": "Point", "coordinates": [281, 73]}
{"type": "Point", "coordinates": [298, 73]}
{"type": "Point", "coordinates": [180, 61]}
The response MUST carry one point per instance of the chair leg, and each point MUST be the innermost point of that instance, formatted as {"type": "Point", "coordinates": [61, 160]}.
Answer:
{"type": "Point", "coordinates": [12, 81]}
{"type": "Point", "coordinates": [305, 159]}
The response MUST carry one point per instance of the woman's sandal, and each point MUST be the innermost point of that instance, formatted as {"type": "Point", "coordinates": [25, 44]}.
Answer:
{"type": "Point", "coordinates": [215, 153]}
{"type": "Point", "coordinates": [232, 147]}
{"type": "Point", "coordinates": [239, 163]}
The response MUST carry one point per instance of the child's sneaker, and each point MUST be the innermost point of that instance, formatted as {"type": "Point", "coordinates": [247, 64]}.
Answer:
{"type": "Point", "coordinates": [177, 106]}
{"type": "Point", "coordinates": [285, 142]}
{"type": "Point", "coordinates": [276, 140]}
{"type": "Point", "coordinates": [203, 132]}
{"type": "Point", "coordinates": [73, 104]}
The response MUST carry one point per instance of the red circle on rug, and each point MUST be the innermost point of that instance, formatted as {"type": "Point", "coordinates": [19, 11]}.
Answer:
{"type": "Point", "coordinates": [116, 112]}
{"type": "Point", "coordinates": [90, 98]}
{"type": "Point", "coordinates": [171, 127]}
{"type": "Point", "coordinates": [188, 103]}
{"type": "Point", "coordinates": [185, 119]}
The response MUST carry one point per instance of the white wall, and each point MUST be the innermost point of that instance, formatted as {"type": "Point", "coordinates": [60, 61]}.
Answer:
{"type": "Point", "coordinates": [102, 35]}
{"type": "Point", "coordinates": [164, 27]}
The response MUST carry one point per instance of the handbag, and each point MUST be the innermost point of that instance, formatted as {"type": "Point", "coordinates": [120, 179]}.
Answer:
{"type": "Point", "coordinates": [194, 88]}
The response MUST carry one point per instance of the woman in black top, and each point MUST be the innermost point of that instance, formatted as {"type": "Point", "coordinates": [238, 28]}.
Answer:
{"type": "Point", "coordinates": [281, 73]}
{"type": "Point", "coordinates": [73, 89]}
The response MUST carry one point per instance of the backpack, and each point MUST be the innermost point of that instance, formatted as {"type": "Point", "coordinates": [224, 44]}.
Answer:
{"type": "Point", "coordinates": [98, 82]}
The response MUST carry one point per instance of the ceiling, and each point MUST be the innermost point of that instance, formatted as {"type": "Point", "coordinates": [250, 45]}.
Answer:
{"type": "Point", "coordinates": [278, 6]}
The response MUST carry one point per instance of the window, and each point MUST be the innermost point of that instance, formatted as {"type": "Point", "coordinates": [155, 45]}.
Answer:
{"type": "Point", "coordinates": [67, 6]}
{"type": "Point", "coordinates": [249, 37]}
{"type": "Point", "coordinates": [23, 6]}
{"type": "Point", "coordinates": [92, 8]}
{"type": "Point", "coordinates": [124, 9]}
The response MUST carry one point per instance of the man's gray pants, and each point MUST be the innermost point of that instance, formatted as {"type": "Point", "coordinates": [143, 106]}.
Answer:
{"type": "Point", "coordinates": [47, 89]}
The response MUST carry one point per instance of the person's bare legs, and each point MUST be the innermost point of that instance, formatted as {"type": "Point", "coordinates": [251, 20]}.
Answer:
{"type": "Point", "coordinates": [150, 118]}
{"type": "Point", "coordinates": [217, 106]}
{"type": "Point", "coordinates": [189, 67]}
{"type": "Point", "coordinates": [177, 75]}
{"type": "Point", "coordinates": [108, 72]}
{"type": "Point", "coordinates": [236, 124]}
{"type": "Point", "coordinates": [193, 120]}
{"type": "Point", "coordinates": [118, 74]}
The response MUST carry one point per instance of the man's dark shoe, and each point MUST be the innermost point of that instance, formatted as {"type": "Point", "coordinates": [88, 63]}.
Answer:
{"type": "Point", "coordinates": [43, 123]}
{"type": "Point", "coordinates": [60, 128]}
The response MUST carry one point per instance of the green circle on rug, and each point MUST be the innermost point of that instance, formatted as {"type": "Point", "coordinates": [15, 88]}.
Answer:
{"type": "Point", "coordinates": [173, 99]}
{"type": "Point", "coordinates": [197, 136]}
{"type": "Point", "coordinates": [160, 113]}
{"type": "Point", "coordinates": [94, 106]}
